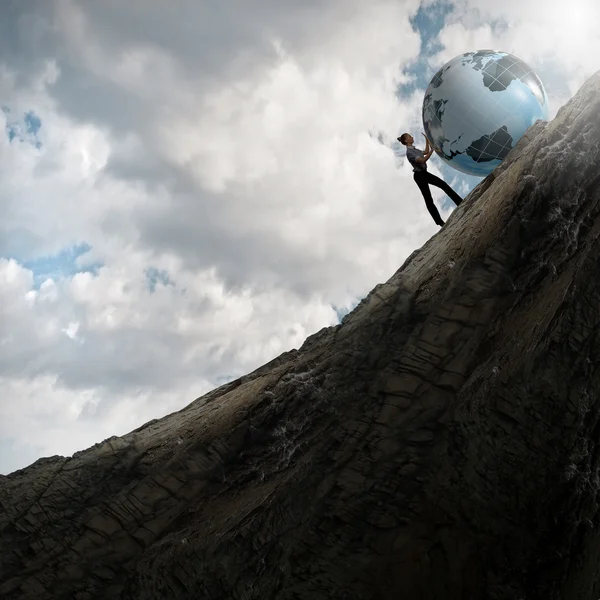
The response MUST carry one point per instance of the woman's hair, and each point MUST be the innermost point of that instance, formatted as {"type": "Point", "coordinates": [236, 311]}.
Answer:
{"type": "Point", "coordinates": [403, 137]}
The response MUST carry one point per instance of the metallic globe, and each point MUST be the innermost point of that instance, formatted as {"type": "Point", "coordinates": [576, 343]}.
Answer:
{"type": "Point", "coordinates": [478, 106]}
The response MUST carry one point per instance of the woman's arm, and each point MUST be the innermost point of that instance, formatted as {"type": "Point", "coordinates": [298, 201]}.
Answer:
{"type": "Point", "coordinates": [429, 150]}
{"type": "Point", "coordinates": [425, 158]}
{"type": "Point", "coordinates": [427, 144]}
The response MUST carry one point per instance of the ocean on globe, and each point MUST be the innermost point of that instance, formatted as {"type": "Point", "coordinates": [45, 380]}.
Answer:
{"type": "Point", "coordinates": [478, 106]}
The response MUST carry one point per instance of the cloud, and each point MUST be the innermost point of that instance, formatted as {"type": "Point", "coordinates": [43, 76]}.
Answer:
{"type": "Point", "coordinates": [98, 355]}
{"type": "Point", "coordinates": [85, 417]}
{"type": "Point", "coordinates": [225, 174]}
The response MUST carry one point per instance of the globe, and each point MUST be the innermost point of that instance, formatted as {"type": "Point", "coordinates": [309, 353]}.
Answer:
{"type": "Point", "coordinates": [478, 106]}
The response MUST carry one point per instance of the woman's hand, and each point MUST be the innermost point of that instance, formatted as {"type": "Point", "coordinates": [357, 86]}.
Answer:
{"type": "Point", "coordinates": [428, 143]}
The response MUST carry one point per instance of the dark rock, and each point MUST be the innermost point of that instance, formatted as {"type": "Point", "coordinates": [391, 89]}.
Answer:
{"type": "Point", "coordinates": [443, 442]}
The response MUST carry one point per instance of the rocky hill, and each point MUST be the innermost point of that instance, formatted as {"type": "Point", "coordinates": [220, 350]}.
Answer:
{"type": "Point", "coordinates": [443, 442]}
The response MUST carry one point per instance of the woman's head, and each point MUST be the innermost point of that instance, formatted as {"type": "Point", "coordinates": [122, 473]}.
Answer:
{"type": "Point", "coordinates": [406, 139]}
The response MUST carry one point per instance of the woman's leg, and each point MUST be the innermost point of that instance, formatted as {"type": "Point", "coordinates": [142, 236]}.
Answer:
{"type": "Point", "coordinates": [421, 181]}
{"type": "Point", "coordinates": [434, 180]}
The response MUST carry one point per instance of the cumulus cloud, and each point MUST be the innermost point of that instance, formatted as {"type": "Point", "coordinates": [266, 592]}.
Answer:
{"type": "Point", "coordinates": [232, 189]}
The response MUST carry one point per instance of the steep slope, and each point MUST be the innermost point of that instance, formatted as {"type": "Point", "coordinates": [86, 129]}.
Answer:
{"type": "Point", "coordinates": [442, 442]}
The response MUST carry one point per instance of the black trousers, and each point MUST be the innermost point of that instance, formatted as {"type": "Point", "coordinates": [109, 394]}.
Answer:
{"type": "Point", "coordinates": [424, 179]}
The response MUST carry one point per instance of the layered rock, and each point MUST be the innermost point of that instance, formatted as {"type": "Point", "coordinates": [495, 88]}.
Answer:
{"type": "Point", "coordinates": [442, 442]}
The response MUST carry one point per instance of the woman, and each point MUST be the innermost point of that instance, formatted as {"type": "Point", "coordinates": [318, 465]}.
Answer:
{"type": "Point", "coordinates": [418, 160]}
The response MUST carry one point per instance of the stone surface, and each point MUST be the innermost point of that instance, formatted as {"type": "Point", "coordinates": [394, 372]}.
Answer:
{"type": "Point", "coordinates": [442, 442]}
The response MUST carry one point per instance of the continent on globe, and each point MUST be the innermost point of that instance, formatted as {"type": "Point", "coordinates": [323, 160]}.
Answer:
{"type": "Point", "coordinates": [478, 106]}
{"type": "Point", "coordinates": [497, 144]}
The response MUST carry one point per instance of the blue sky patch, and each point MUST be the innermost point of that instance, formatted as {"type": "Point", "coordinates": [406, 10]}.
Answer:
{"type": "Point", "coordinates": [428, 22]}
{"type": "Point", "coordinates": [62, 265]}
{"type": "Point", "coordinates": [155, 276]}
{"type": "Point", "coordinates": [23, 129]}
{"type": "Point", "coordinates": [32, 123]}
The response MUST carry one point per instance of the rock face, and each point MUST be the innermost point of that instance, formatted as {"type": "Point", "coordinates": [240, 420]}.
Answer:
{"type": "Point", "coordinates": [443, 442]}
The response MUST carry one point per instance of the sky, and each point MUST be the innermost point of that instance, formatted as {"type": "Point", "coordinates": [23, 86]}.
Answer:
{"type": "Point", "coordinates": [189, 190]}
